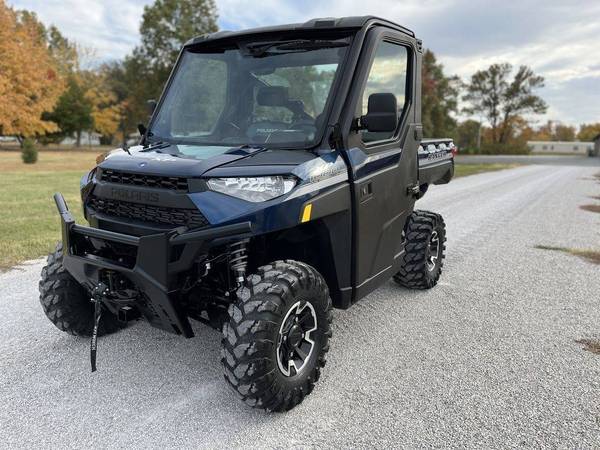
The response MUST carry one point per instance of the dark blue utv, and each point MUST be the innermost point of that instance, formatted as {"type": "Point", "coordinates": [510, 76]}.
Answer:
{"type": "Point", "coordinates": [277, 178]}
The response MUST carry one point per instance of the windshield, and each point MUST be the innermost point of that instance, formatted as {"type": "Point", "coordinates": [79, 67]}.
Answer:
{"type": "Point", "coordinates": [263, 93]}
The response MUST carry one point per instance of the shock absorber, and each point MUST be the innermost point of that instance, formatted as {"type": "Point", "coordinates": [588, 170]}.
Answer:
{"type": "Point", "coordinates": [238, 260]}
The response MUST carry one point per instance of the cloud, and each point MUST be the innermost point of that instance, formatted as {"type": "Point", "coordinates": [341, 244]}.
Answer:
{"type": "Point", "coordinates": [558, 39]}
{"type": "Point", "coordinates": [109, 26]}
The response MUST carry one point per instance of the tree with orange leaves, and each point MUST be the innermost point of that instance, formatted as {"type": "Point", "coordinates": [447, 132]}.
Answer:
{"type": "Point", "coordinates": [29, 81]}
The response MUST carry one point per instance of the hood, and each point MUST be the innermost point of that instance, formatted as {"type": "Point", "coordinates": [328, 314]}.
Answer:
{"type": "Point", "coordinates": [196, 160]}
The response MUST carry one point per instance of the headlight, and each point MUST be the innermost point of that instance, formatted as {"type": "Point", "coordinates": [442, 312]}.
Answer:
{"type": "Point", "coordinates": [253, 189]}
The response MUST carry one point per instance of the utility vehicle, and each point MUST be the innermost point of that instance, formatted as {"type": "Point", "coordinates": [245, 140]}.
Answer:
{"type": "Point", "coordinates": [276, 179]}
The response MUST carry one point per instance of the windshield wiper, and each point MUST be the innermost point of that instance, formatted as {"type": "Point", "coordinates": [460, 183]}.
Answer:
{"type": "Point", "coordinates": [302, 45]}
{"type": "Point", "coordinates": [155, 145]}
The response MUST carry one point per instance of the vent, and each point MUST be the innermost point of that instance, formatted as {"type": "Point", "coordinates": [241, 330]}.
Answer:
{"type": "Point", "coordinates": [136, 179]}
{"type": "Point", "coordinates": [191, 218]}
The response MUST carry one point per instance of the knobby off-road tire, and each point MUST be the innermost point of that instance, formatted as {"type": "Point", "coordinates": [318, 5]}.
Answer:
{"type": "Point", "coordinates": [423, 258]}
{"type": "Point", "coordinates": [67, 304]}
{"type": "Point", "coordinates": [259, 339]}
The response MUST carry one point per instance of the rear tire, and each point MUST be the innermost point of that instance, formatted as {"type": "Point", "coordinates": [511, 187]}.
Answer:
{"type": "Point", "coordinates": [67, 304]}
{"type": "Point", "coordinates": [275, 342]}
{"type": "Point", "coordinates": [423, 258]}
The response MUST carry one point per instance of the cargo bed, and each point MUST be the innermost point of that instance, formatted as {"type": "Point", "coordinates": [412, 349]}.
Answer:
{"type": "Point", "coordinates": [436, 161]}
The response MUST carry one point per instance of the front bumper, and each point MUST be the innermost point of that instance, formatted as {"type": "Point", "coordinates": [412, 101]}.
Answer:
{"type": "Point", "coordinates": [154, 270]}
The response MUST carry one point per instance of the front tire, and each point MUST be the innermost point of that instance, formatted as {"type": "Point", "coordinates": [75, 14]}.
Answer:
{"type": "Point", "coordinates": [423, 258]}
{"type": "Point", "coordinates": [275, 342]}
{"type": "Point", "coordinates": [67, 304]}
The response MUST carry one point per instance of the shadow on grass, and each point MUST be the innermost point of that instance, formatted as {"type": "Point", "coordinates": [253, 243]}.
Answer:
{"type": "Point", "coordinates": [592, 256]}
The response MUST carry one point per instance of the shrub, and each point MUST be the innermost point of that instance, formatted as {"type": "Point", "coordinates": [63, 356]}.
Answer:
{"type": "Point", "coordinates": [29, 153]}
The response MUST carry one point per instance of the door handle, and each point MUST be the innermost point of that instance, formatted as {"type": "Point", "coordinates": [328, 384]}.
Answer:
{"type": "Point", "coordinates": [366, 190]}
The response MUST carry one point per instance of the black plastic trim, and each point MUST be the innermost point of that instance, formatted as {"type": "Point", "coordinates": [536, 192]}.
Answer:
{"type": "Point", "coordinates": [152, 272]}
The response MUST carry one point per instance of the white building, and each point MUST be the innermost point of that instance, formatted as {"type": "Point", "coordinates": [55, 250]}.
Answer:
{"type": "Point", "coordinates": [574, 148]}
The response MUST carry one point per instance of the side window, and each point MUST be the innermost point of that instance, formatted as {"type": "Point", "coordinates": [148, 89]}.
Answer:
{"type": "Point", "coordinates": [387, 75]}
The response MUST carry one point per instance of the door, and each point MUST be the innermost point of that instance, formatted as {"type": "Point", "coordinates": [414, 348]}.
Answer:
{"type": "Point", "coordinates": [383, 165]}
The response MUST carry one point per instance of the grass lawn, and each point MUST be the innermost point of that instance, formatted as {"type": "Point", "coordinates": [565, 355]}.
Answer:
{"type": "Point", "coordinates": [29, 224]}
{"type": "Point", "coordinates": [462, 170]}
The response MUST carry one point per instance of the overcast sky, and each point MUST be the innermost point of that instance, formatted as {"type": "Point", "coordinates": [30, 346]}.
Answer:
{"type": "Point", "coordinates": [558, 39]}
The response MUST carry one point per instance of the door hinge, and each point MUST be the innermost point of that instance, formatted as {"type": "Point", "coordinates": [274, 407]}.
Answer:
{"type": "Point", "coordinates": [336, 140]}
{"type": "Point", "coordinates": [418, 133]}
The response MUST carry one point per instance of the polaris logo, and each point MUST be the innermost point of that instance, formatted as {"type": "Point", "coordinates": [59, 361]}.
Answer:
{"type": "Point", "coordinates": [437, 155]}
{"type": "Point", "coordinates": [135, 196]}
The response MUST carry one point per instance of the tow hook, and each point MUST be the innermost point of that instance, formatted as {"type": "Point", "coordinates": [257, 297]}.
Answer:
{"type": "Point", "coordinates": [99, 293]}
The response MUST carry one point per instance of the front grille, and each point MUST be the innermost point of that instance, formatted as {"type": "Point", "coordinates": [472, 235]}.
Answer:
{"type": "Point", "coordinates": [136, 179]}
{"type": "Point", "coordinates": [190, 218]}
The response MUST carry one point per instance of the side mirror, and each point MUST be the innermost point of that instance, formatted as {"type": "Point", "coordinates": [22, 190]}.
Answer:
{"type": "Point", "coordinates": [382, 113]}
{"type": "Point", "coordinates": [151, 106]}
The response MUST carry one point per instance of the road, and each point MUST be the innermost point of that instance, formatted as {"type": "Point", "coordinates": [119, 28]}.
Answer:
{"type": "Point", "coordinates": [486, 359]}
{"type": "Point", "coordinates": [552, 160]}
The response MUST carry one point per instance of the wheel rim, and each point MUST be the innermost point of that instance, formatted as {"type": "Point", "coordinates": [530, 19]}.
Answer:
{"type": "Point", "coordinates": [295, 343]}
{"type": "Point", "coordinates": [433, 251]}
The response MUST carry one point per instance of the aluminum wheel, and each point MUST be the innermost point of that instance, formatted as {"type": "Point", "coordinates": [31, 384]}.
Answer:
{"type": "Point", "coordinates": [295, 344]}
{"type": "Point", "coordinates": [433, 251]}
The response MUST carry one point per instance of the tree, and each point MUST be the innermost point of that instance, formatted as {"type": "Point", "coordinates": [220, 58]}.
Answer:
{"type": "Point", "coordinates": [544, 132]}
{"type": "Point", "coordinates": [467, 135]}
{"type": "Point", "coordinates": [106, 108]}
{"type": "Point", "coordinates": [587, 132]}
{"type": "Point", "coordinates": [501, 101]}
{"type": "Point", "coordinates": [439, 98]}
{"type": "Point", "coordinates": [63, 51]}
{"type": "Point", "coordinates": [564, 133]}
{"type": "Point", "coordinates": [29, 81]}
{"type": "Point", "coordinates": [73, 112]}
{"type": "Point", "coordinates": [554, 131]}
{"type": "Point", "coordinates": [166, 26]}
{"type": "Point", "coordinates": [121, 77]}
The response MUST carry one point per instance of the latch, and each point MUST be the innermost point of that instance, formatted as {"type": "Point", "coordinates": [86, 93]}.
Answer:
{"type": "Point", "coordinates": [414, 190]}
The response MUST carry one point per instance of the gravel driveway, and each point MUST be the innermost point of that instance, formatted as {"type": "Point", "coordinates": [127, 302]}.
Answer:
{"type": "Point", "coordinates": [486, 359]}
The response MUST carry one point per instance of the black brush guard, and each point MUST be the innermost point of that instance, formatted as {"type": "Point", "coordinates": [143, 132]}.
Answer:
{"type": "Point", "coordinates": [153, 270]}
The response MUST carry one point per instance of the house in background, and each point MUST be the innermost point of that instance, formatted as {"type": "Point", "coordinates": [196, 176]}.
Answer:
{"type": "Point", "coordinates": [596, 150]}
{"type": "Point", "coordinates": [573, 148]}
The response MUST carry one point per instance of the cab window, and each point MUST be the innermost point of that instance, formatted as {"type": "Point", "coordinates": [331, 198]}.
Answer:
{"type": "Point", "coordinates": [388, 74]}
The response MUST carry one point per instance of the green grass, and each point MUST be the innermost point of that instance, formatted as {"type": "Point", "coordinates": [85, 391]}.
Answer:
{"type": "Point", "coordinates": [463, 170]}
{"type": "Point", "coordinates": [29, 224]}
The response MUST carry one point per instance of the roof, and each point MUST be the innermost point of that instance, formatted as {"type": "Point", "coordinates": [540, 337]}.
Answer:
{"type": "Point", "coordinates": [329, 23]}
